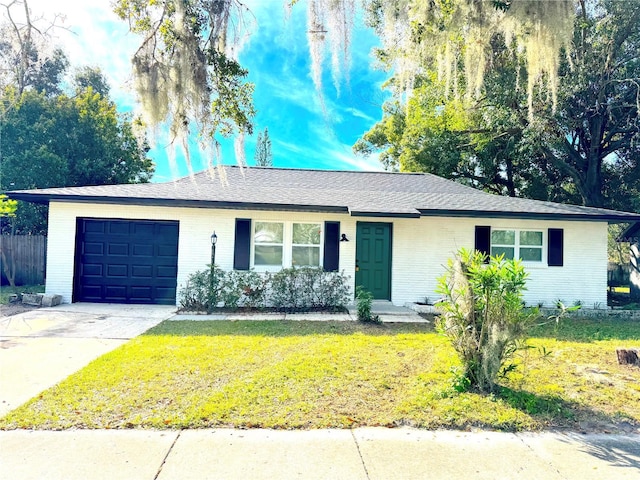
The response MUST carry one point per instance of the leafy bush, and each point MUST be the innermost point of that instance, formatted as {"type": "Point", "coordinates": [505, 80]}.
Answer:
{"type": "Point", "coordinates": [484, 316]}
{"type": "Point", "coordinates": [243, 288]}
{"type": "Point", "coordinates": [364, 299]}
{"type": "Point", "coordinates": [307, 288]}
{"type": "Point", "coordinates": [197, 295]}
{"type": "Point", "coordinates": [291, 289]}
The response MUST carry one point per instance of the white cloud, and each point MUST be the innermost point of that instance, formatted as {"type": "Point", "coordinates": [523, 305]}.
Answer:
{"type": "Point", "coordinates": [360, 114]}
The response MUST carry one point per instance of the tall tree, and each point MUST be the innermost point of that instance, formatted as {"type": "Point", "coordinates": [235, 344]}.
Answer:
{"type": "Point", "coordinates": [183, 72]}
{"type": "Point", "coordinates": [91, 77]}
{"type": "Point", "coordinates": [27, 56]}
{"type": "Point", "coordinates": [185, 75]}
{"type": "Point", "coordinates": [263, 156]}
{"type": "Point", "coordinates": [65, 141]}
{"type": "Point", "coordinates": [584, 151]}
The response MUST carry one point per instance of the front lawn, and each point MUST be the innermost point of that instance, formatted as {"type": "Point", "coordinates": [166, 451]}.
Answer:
{"type": "Point", "coordinates": [281, 374]}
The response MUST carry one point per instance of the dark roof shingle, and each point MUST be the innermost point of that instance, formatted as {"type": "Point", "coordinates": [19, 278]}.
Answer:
{"type": "Point", "coordinates": [354, 192]}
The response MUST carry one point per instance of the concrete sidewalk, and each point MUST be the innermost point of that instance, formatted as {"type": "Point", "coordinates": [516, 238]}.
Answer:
{"type": "Point", "coordinates": [363, 453]}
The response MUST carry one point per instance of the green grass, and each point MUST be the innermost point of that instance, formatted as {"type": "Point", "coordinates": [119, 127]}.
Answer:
{"type": "Point", "coordinates": [291, 375]}
{"type": "Point", "coordinates": [7, 290]}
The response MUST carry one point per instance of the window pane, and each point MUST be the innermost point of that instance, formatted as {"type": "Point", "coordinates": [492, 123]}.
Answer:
{"type": "Point", "coordinates": [530, 254]}
{"type": "Point", "coordinates": [268, 232]}
{"type": "Point", "coordinates": [531, 238]}
{"type": "Point", "coordinates": [507, 251]}
{"type": "Point", "coordinates": [268, 255]}
{"type": "Point", "coordinates": [306, 256]}
{"type": "Point", "coordinates": [503, 237]}
{"type": "Point", "coordinates": [306, 233]}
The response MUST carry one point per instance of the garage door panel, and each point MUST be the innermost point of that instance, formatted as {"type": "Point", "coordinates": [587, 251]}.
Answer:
{"type": "Point", "coordinates": [166, 271]}
{"type": "Point", "coordinates": [93, 248]}
{"type": "Point", "coordinates": [94, 227]}
{"type": "Point", "coordinates": [117, 270]}
{"type": "Point", "coordinates": [140, 250]}
{"type": "Point", "coordinates": [126, 261]}
{"type": "Point", "coordinates": [167, 250]}
{"type": "Point", "coordinates": [118, 249]}
{"type": "Point", "coordinates": [142, 271]}
{"type": "Point", "coordinates": [169, 231]}
{"type": "Point", "coordinates": [143, 229]}
{"type": "Point", "coordinates": [141, 292]}
{"type": "Point", "coordinates": [116, 227]}
{"type": "Point", "coordinates": [165, 295]}
{"type": "Point", "coordinates": [115, 294]}
{"type": "Point", "coordinates": [92, 270]}
{"type": "Point", "coordinates": [93, 292]}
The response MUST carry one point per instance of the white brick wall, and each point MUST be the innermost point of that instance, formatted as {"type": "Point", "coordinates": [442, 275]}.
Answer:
{"type": "Point", "coordinates": [421, 248]}
{"type": "Point", "coordinates": [194, 244]}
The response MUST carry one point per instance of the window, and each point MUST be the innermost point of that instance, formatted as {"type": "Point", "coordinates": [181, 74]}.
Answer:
{"type": "Point", "coordinates": [284, 244]}
{"type": "Point", "coordinates": [305, 245]}
{"type": "Point", "coordinates": [527, 245]}
{"type": "Point", "coordinates": [268, 244]}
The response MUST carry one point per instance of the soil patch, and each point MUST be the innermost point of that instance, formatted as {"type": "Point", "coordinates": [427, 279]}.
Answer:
{"type": "Point", "coordinates": [11, 309]}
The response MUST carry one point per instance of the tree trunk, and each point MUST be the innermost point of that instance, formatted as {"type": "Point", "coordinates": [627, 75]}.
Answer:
{"type": "Point", "coordinates": [8, 262]}
{"type": "Point", "coordinates": [628, 356]}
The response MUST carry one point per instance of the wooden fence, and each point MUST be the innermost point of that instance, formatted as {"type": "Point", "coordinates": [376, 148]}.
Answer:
{"type": "Point", "coordinates": [24, 256]}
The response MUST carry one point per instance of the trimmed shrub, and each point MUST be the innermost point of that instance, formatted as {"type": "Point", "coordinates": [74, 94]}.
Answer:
{"type": "Point", "coordinates": [303, 289]}
{"type": "Point", "coordinates": [196, 295]}
{"type": "Point", "coordinates": [290, 290]}
{"type": "Point", "coordinates": [243, 288]}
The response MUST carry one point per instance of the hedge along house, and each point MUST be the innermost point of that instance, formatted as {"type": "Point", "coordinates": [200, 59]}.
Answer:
{"type": "Point", "coordinates": [391, 233]}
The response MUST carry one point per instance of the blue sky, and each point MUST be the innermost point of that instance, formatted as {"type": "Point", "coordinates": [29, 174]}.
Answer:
{"type": "Point", "coordinates": [276, 55]}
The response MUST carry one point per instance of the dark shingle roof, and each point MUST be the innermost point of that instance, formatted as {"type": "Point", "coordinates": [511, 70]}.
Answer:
{"type": "Point", "coordinates": [355, 192]}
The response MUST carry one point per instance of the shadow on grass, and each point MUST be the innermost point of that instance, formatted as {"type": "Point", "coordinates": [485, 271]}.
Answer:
{"type": "Point", "coordinates": [283, 328]}
{"type": "Point", "coordinates": [556, 412]}
{"type": "Point", "coordinates": [587, 330]}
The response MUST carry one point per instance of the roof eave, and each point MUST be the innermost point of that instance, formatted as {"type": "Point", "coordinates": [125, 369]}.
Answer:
{"type": "Point", "coordinates": [163, 202]}
{"type": "Point", "coordinates": [593, 217]}
{"type": "Point", "coordinates": [357, 213]}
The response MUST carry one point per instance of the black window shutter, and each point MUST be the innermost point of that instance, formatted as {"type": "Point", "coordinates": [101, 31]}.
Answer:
{"type": "Point", "coordinates": [331, 260]}
{"type": "Point", "coordinates": [242, 247]}
{"type": "Point", "coordinates": [483, 239]}
{"type": "Point", "coordinates": [556, 247]}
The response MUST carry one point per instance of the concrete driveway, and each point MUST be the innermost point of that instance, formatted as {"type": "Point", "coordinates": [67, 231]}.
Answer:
{"type": "Point", "coordinates": [39, 348]}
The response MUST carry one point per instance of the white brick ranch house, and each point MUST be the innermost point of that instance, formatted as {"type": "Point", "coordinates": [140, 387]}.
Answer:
{"type": "Point", "coordinates": [392, 233]}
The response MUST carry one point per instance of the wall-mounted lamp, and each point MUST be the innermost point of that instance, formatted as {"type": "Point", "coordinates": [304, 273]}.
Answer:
{"type": "Point", "coordinates": [343, 238]}
{"type": "Point", "coordinates": [214, 240]}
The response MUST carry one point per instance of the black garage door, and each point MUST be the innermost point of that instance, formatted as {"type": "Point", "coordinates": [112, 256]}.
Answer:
{"type": "Point", "coordinates": [126, 261]}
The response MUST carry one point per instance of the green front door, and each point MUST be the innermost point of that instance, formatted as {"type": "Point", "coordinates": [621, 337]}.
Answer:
{"type": "Point", "coordinates": [373, 258]}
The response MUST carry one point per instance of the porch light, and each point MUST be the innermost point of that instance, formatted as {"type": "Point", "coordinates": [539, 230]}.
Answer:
{"type": "Point", "coordinates": [343, 238]}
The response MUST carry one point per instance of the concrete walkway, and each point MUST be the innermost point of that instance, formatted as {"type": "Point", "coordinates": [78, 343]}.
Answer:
{"type": "Point", "coordinates": [363, 453]}
{"type": "Point", "coordinates": [39, 348]}
{"type": "Point", "coordinates": [386, 311]}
